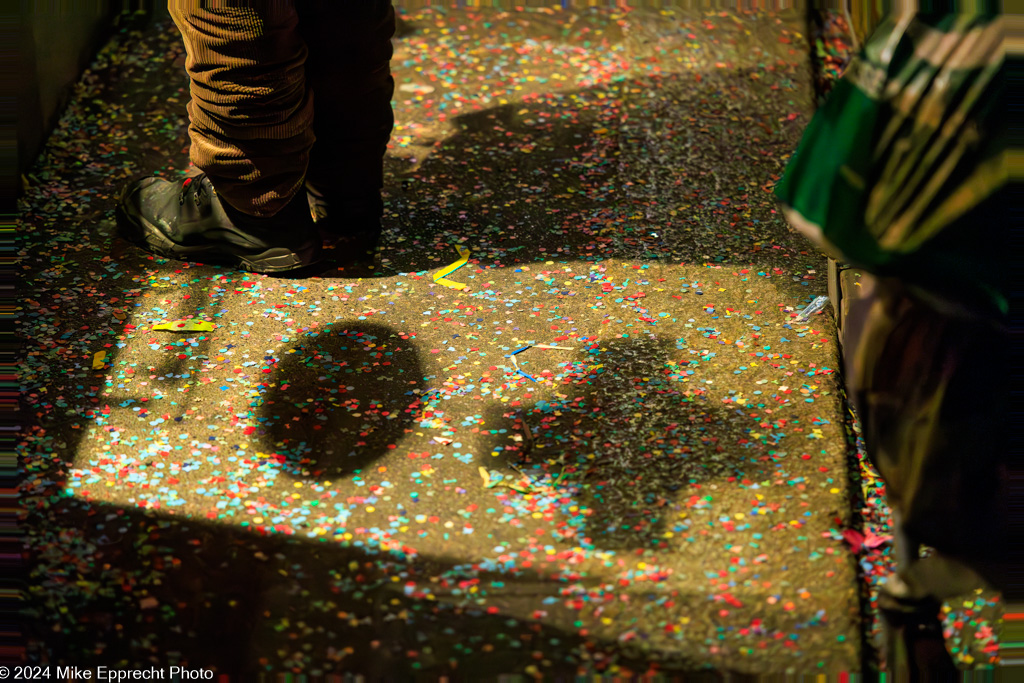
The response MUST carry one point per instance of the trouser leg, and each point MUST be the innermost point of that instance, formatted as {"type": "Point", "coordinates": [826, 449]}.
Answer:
{"type": "Point", "coordinates": [250, 116]}
{"type": "Point", "coordinates": [348, 71]}
{"type": "Point", "coordinates": [917, 379]}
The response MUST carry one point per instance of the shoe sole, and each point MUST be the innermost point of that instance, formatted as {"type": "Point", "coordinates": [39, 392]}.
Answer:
{"type": "Point", "coordinates": [274, 260]}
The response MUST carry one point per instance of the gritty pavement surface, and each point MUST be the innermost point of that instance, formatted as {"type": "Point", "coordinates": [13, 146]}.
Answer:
{"type": "Point", "coordinates": [352, 472]}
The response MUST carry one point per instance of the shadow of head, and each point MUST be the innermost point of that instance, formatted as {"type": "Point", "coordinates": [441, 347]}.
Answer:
{"type": "Point", "coordinates": [341, 399]}
{"type": "Point", "coordinates": [636, 429]}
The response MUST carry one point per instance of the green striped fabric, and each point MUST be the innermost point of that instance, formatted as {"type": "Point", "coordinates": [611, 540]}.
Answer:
{"type": "Point", "coordinates": [903, 171]}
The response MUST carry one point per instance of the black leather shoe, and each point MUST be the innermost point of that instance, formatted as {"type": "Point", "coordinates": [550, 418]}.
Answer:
{"type": "Point", "coordinates": [351, 229]}
{"type": "Point", "coordinates": [187, 221]}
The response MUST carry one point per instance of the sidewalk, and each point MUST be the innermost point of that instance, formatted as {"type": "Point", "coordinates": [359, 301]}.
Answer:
{"type": "Point", "coordinates": [354, 473]}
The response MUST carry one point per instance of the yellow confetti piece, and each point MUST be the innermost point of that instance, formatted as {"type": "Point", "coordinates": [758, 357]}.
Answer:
{"type": "Point", "coordinates": [485, 475]}
{"type": "Point", "coordinates": [194, 325]}
{"type": "Point", "coordinates": [441, 276]}
{"type": "Point", "coordinates": [99, 360]}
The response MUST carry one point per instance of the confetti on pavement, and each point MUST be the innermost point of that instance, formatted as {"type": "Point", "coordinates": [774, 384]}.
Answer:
{"type": "Point", "coordinates": [344, 474]}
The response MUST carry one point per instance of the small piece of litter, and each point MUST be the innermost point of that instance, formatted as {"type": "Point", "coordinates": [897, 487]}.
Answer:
{"type": "Point", "coordinates": [194, 325]}
{"type": "Point", "coordinates": [440, 277]}
{"type": "Point", "coordinates": [417, 88]}
{"type": "Point", "coordinates": [815, 306]}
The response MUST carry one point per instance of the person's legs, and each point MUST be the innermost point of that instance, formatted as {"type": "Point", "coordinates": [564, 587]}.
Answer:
{"type": "Point", "coordinates": [250, 121]}
{"type": "Point", "coordinates": [932, 412]}
{"type": "Point", "coordinates": [348, 72]}
{"type": "Point", "coordinates": [250, 115]}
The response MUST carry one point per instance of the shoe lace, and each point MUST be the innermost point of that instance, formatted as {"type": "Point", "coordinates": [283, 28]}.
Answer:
{"type": "Point", "coordinates": [196, 185]}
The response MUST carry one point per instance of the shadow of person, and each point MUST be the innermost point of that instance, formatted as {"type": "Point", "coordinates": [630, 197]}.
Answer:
{"type": "Point", "coordinates": [241, 603]}
{"type": "Point", "coordinates": [632, 432]}
{"type": "Point", "coordinates": [563, 177]}
{"type": "Point", "coordinates": [340, 399]}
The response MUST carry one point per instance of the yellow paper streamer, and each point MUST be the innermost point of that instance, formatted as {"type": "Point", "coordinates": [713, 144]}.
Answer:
{"type": "Point", "coordinates": [99, 360]}
{"type": "Point", "coordinates": [194, 325]}
{"type": "Point", "coordinates": [441, 276]}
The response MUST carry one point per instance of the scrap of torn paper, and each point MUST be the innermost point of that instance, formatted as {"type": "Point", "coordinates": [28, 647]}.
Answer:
{"type": "Point", "coordinates": [194, 325]}
{"type": "Point", "coordinates": [99, 359]}
{"type": "Point", "coordinates": [417, 88]}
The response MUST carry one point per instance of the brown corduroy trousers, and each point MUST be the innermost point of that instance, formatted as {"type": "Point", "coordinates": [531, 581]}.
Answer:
{"type": "Point", "coordinates": [286, 92]}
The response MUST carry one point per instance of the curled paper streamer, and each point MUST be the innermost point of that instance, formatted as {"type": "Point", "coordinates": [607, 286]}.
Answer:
{"type": "Point", "coordinates": [441, 276]}
{"type": "Point", "coordinates": [515, 363]}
